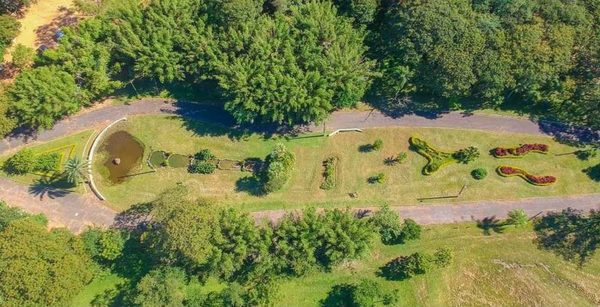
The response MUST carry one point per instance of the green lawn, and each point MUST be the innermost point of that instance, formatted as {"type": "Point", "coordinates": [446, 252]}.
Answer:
{"type": "Point", "coordinates": [80, 141]}
{"type": "Point", "coordinates": [404, 183]}
{"type": "Point", "coordinates": [497, 270]}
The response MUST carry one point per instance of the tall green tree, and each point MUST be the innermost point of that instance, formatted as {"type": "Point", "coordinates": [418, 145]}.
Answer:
{"type": "Point", "coordinates": [164, 286]}
{"type": "Point", "coordinates": [42, 95]}
{"type": "Point", "coordinates": [291, 69]}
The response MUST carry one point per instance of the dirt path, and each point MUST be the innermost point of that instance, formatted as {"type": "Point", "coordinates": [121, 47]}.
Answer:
{"type": "Point", "coordinates": [41, 21]}
{"type": "Point", "coordinates": [76, 211]}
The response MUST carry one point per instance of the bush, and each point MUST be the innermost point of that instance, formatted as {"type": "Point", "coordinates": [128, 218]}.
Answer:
{"type": "Point", "coordinates": [405, 267]}
{"type": "Point", "coordinates": [9, 28]}
{"type": "Point", "coordinates": [399, 159]}
{"type": "Point", "coordinates": [47, 163]}
{"type": "Point", "coordinates": [22, 57]}
{"type": "Point", "coordinates": [517, 217]}
{"type": "Point", "coordinates": [365, 293]}
{"type": "Point", "coordinates": [278, 170]}
{"type": "Point", "coordinates": [329, 174]}
{"type": "Point", "coordinates": [202, 167]}
{"type": "Point", "coordinates": [377, 145]}
{"type": "Point", "coordinates": [389, 225]}
{"type": "Point", "coordinates": [379, 178]}
{"type": "Point", "coordinates": [21, 163]}
{"type": "Point", "coordinates": [466, 155]}
{"type": "Point", "coordinates": [479, 173]}
{"type": "Point", "coordinates": [410, 231]}
{"type": "Point", "coordinates": [205, 155]}
{"type": "Point", "coordinates": [442, 257]}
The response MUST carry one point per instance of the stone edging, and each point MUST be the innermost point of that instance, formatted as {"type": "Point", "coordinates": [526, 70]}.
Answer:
{"type": "Point", "coordinates": [91, 158]}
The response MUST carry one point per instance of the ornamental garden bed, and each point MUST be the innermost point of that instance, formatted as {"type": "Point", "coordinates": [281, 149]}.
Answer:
{"type": "Point", "coordinates": [329, 173]}
{"type": "Point", "coordinates": [518, 152]}
{"type": "Point", "coordinates": [436, 159]}
{"type": "Point", "coordinates": [511, 171]}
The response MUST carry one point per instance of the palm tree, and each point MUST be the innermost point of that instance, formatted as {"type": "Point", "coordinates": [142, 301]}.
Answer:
{"type": "Point", "coordinates": [76, 170]}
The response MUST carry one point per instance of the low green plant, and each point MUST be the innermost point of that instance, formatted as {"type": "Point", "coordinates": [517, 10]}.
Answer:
{"type": "Point", "coordinates": [379, 178]}
{"type": "Point", "coordinates": [467, 155]}
{"type": "Point", "coordinates": [517, 217]}
{"type": "Point", "coordinates": [395, 160]}
{"type": "Point", "coordinates": [47, 163]}
{"type": "Point", "coordinates": [479, 173]}
{"type": "Point", "coordinates": [205, 155]}
{"type": "Point", "coordinates": [202, 167]}
{"type": "Point", "coordinates": [377, 145]}
{"type": "Point", "coordinates": [21, 163]}
{"type": "Point", "coordinates": [329, 173]}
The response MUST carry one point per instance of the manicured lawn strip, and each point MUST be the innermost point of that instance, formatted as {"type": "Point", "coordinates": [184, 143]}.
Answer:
{"type": "Point", "coordinates": [404, 183]}
{"type": "Point", "coordinates": [79, 140]}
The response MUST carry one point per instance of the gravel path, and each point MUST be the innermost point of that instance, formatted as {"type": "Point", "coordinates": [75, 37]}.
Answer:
{"type": "Point", "coordinates": [76, 211]}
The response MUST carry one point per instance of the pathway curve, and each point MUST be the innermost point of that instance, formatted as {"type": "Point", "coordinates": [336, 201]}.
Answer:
{"type": "Point", "coordinates": [76, 211]}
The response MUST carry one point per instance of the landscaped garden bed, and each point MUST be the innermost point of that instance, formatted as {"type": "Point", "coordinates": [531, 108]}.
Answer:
{"type": "Point", "coordinates": [510, 171]}
{"type": "Point", "coordinates": [329, 173]}
{"type": "Point", "coordinates": [436, 159]}
{"type": "Point", "coordinates": [517, 152]}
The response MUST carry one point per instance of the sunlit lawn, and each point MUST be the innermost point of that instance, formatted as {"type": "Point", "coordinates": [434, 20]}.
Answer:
{"type": "Point", "coordinates": [404, 183]}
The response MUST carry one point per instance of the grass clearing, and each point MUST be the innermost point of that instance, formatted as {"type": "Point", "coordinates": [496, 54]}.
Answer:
{"type": "Point", "coordinates": [404, 183]}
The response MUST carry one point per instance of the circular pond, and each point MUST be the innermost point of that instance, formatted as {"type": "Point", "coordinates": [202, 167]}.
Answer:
{"type": "Point", "coordinates": [158, 158]}
{"type": "Point", "coordinates": [178, 161]}
{"type": "Point", "coordinates": [123, 153]}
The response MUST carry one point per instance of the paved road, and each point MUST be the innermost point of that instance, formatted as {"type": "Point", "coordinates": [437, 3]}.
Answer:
{"type": "Point", "coordinates": [76, 211]}
{"type": "Point", "coordinates": [466, 212]}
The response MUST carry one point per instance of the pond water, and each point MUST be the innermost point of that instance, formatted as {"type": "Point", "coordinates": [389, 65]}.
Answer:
{"type": "Point", "coordinates": [125, 148]}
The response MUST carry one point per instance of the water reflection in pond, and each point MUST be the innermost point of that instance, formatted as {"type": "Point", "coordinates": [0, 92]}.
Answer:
{"type": "Point", "coordinates": [123, 154]}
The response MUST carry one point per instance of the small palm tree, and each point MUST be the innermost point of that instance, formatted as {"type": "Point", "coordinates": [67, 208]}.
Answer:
{"type": "Point", "coordinates": [76, 170]}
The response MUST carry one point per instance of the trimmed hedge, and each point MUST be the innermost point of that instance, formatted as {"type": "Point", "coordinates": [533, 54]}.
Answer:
{"type": "Point", "coordinates": [436, 159]}
{"type": "Point", "coordinates": [510, 171]}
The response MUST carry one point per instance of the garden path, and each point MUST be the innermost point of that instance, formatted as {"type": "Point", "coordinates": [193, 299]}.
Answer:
{"type": "Point", "coordinates": [76, 211]}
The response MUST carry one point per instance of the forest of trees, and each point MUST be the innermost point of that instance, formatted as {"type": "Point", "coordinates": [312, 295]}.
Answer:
{"type": "Point", "coordinates": [295, 61]}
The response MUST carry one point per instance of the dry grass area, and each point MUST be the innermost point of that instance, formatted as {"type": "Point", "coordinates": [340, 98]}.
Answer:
{"type": "Point", "coordinates": [40, 23]}
{"type": "Point", "coordinates": [404, 183]}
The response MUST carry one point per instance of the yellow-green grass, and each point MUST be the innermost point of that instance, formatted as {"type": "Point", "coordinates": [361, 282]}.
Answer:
{"type": "Point", "coordinates": [503, 269]}
{"type": "Point", "coordinates": [79, 140]}
{"type": "Point", "coordinates": [497, 270]}
{"type": "Point", "coordinates": [404, 183]}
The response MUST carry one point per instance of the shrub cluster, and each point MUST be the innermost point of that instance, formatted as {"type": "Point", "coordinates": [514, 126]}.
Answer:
{"type": "Point", "coordinates": [204, 163]}
{"type": "Point", "coordinates": [25, 161]}
{"type": "Point", "coordinates": [279, 165]}
{"type": "Point", "coordinates": [479, 173]}
{"type": "Point", "coordinates": [329, 173]}
{"type": "Point", "coordinates": [391, 229]}
{"type": "Point", "coordinates": [466, 155]}
{"type": "Point", "coordinates": [405, 267]}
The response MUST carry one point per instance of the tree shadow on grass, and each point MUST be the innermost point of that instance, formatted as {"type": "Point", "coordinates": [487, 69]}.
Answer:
{"type": "Point", "coordinates": [339, 296]}
{"type": "Point", "coordinates": [593, 172]}
{"type": "Point", "coordinates": [51, 187]}
{"type": "Point", "coordinates": [250, 184]}
{"type": "Point", "coordinates": [490, 224]}
{"type": "Point", "coordinates": [365, 148]}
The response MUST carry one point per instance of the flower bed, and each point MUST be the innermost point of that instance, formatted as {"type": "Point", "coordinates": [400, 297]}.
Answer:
{"type": "Point", "coordinates": [517, 152]}
{"type": "Point", "coordinates": [436, 159]}
{"type": "Point", "coordinates": [329, 173]}
{"type": "Point", "coordinates": [509, 171]}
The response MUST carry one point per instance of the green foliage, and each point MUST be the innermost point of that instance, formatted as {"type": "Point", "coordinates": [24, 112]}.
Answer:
{"type": "Point", "coordinates": [410, 231]}
{"type": "Point", "coordinates": [161, 287]}
{"type": "Point", "coordinates": [399, 159]}
{"type": "Point", "coordinates": [291, 69]}
{"type": "Point", "coordinates": [9, 28]}
{"type": "Point", "coordinates": [329, 175]}
{"type": "Point", "coordinates": [377, 145]}
{"type": "Point", "coordinates": [363, 11]}
{"type": "Point", "coordinates": [279, 165]}
{"type": "Point", "coordinates": [517, 217]}
{"type": "Point", "coordinates": [8, 215]}
{"type": "Point", "coordinates": [205, 155]}
{"type": "Point", "coordinates": [570, 234]}
{"type": "Point", "coordinates": [436, 159]}
{"type": "Point", "coordinates": [389, 225]}
{"type": "Point", "coordinates": [22, 56]}
{"type": "Point", "coordinates": [202, 167]}
{"type": "Point", "coordinates": [76, 170]}
{"type": "Point", "coordinates": [43, 95]}
{"type": "Point", "coordinates": [228, 13]}
{"type": "Point", "coordinates": [301, 244]}
{"type": "Point", "coordinates": [479, 173]}
{"type": "Point", "coordinates": [466, 155]}
{"type": "Point", "coordinates": [21, 163]}
{"type": "Point", "coordinates": [442, 257]}
{"type": "Point", "coordinates": [379, 179]}
{"type": "Point", "coordinates": [7, 122]}
{"type": "Point", "coordinates": [364, 293]}
{"type": "Point", "coordinates": [111, 244]}
{"type": "Point", "coordinates": [593, 172]}
{"type": "Point", "coordinates": [32, 256]}
{"type": "Point", "coordinates": [47, 163]}
{"type": "Point", "coordinates": [405, 267]}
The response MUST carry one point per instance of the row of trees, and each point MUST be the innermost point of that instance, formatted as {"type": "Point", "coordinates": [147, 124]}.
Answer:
{"type": "Point", "coordinates": [289, 62]}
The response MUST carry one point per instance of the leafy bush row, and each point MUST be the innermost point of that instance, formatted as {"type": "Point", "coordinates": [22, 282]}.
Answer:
{"type": "Point", "coordinates": [510, 171]}
{"type": "Point", "coordinates": [405, 267]}
{"type": "Point", "coordinates": [329, 177]}
{"type": "Point", "coordinates": [25, 161]}
{"type": "Point", "coordinates": [204, 163]}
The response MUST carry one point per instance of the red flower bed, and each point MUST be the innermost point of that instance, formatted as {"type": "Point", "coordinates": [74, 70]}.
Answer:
{"type": "Point", "coordinates": [508, 171]}
{"type": "Point", "coordinates": [521, 150]}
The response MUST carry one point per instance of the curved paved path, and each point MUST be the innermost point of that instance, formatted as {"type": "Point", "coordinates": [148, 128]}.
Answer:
{"type": "Point", "coordinates": [76, 211]}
